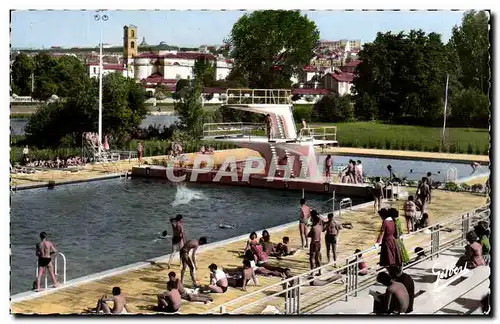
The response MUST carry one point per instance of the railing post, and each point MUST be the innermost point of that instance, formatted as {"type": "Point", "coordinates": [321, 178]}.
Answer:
{"type": "Point", "coordinates": [222, 309]}
{"type": "Point", "coordinates": [297, 292]}
{"type": "Point", "coordinates": [356, 277]}
{"type": "Point", "coordinates": [348, 279]}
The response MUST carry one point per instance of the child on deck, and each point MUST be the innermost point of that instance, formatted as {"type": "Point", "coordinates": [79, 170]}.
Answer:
{"type": "Point", "coordinates": [410, 214]}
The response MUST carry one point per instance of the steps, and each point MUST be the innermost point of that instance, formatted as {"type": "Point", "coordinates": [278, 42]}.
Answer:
{"type": "Point", "coordinates": [289, 163]}
{"type": "Point", "coordinates": [281, 128]}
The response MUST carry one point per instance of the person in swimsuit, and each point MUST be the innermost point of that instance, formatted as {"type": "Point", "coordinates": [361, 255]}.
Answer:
{"type": "Point", "coordinates": [170, 300]}
{"type": "Point", "coordinates": [119, 303]}
{"type": "Point", "coordinates": [266, 243]}
{"type": "Point", "coordinates": [359, 172]}
{"type": "Point", "coordinates": [283, 249]}
{"type": "Point", "coordinates": [429, 182]}
{"type": "Point", "coordinates": [315, 247]}
{"type": "Point", "coordinates": [252, 240]}
{"type": "Point", "coordinates": [177, 236]}
{"type": "Point", "coordinates": [378, 194]}
{"type": "Point", "coordinates": [239, 277]}
{"type": "Point", "coordinates": [395, 300]}
{"type": "Point", "coordinates": [218, 280]}
{"type": "Point", "coordinates": [269, 124]}
{"type": "Point", "coordinates": [328, 167]}
{"type": "Point", "coordinates": [410, 214]}
{"type": "Point", "coordinates": [332, 229]}
{"type": "Point", "coordinates": [44, 251]}
{"type": "Point", "coordinates": [305, 214]}
{"type": "Point", "coordinates": [201, 298]}
{"type": "Point", "coordinates": [140, 152]}
{"type": "Point", "coordinates": [190, 262]}
{"type": "Point", "coordinates": [423, 192]}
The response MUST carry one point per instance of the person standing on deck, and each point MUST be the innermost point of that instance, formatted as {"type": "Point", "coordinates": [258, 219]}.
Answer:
{"type": "Point", "coordinates": [269, 126]}
{"type": "Point", "coordinates": [328, 167]}
{"type": "Point", "coordinates": [304, 127]}
{"type": "Point", "coordinates": [44, 251]}
{"type": "Point", "coordinates": [410, 214]}
{"type": "Point", "coordinates": [429, 182]}
{"type": "Point", "coordinates": [315, 247]}
{"type": "Point", "coordinates": [305, 214]}
{"type": "Point", "coordinates": [188, 261]}
{"type": "Point", "coordinates": [332, 229]}
{"type": "Point", "coordinates": [140, 151]}
{"type": "Point", "coordinates": [423, 192]}
{"type": "Point", "coordinates": [26, 158]}
{"type": "Point", "coordinates": [178, 236]}
{"type": "Point", "coordinates": [394, 214]}
{"type": "Point", "coordinates": [387, 239]}
{"type": "Point", "coordinates": [358, 169]}
{"type": "Point", "coordinates": [378, 194]}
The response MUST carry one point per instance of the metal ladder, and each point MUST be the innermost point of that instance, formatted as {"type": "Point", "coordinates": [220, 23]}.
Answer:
{"type": "Point", "coordinates": [55, 269]}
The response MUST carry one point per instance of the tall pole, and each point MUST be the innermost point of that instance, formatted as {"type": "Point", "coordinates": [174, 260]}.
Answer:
{"type": "Point", "coordinates": [98, 17]}
{"type": "Point", "coordinates": [445, 108]}
{"type": "Point", "coordinates": [32, 84]}
{"type": "Point", "coordinates": [100, 94]}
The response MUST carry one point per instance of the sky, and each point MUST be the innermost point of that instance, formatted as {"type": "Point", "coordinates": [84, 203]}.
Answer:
{"type": "Point", "coordinates": [43, 29]}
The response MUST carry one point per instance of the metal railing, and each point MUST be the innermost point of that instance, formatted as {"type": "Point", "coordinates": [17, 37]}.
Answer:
{"type": "Point", "coordinates": [54, 259]}
{"type": "Point", "coordinates": [451, 174]}
{"type": "Point", "coordinates": [326, 133]}
{"type": "Point", "coordinates": [258, 96]}
{"type": "Point", "coordinates": [296, 295]}
{"type": "Point", "coordinates": [237, 129]}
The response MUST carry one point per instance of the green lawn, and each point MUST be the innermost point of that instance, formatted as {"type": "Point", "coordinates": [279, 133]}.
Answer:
{"type": "Point", "coordinates": [418, 138]}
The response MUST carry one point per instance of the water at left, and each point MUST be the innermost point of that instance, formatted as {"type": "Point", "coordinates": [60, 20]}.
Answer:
{"type": "Point", "coordinates": [107, 224]}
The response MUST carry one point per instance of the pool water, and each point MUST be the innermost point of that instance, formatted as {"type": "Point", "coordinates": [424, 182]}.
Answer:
{"type": "Point", "coordinates": [107, 224]}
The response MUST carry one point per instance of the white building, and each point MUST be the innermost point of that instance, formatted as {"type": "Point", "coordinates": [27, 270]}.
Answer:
{"type": "Point", "coordinates": [175, 65]}
{"type": "Point", "coordinates": [93, 69]}
{"type": "Point", "coordinates": [339, 82]}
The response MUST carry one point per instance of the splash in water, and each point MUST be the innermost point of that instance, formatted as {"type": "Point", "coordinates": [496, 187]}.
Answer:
{"type": "Point", "coordinates": [184, 196]}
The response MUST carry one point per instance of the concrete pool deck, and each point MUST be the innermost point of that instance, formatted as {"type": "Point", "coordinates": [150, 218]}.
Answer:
{"type": "Point", "coordinates": [141, 282]}
{"type": "Point", "coordinates": [408, 155]}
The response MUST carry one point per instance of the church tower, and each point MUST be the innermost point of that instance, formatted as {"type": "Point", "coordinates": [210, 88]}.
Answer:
{"type": "Point", "coordinates": [129, 47]}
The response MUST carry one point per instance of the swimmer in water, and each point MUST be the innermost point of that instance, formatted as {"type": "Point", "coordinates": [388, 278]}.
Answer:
{"type": "Point", "coordinates": [226, 226]}
{"type": "Point", "coordinates": [162, 236]}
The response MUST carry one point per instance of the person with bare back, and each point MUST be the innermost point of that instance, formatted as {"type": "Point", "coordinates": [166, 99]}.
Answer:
{"type": "Point", "coordinates": [332, 229]}
{"type": "Point", "coordinates": [305, 214]}
{"type": "Point", "coordinates": [44, 251]}
{"type": "Point", "coordinates": [269, 126]}
{"type": "Point", "coordinates": [176, 283]}
{"type": "Point", "coordinates": [188, 261]}
{"type": "Point", "coordinates": [178, 236]}
{"type": "Point", "coordinates": [315, 235]}
{"type": "Point", "coordinates": [140, 152]}
{"type": "Point", "coordinates": [423, 193]}
{"type": "Point", "coordinates": [119, 303]}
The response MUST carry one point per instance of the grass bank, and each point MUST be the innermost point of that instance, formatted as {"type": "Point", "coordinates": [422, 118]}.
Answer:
{"type": "Point", "coordinates": [413, 138]}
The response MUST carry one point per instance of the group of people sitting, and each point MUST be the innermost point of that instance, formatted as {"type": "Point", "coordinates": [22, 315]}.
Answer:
{"type": "Point", "coordinates": [209, 150]}
{"type": "Point", "coordinates": [50, 164]}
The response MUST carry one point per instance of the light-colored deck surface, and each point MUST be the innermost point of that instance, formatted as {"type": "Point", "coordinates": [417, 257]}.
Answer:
{"type": "Point", "coordinates": [141, 286]}
{"type": "Point", "coordinates": [90, 171]}
{"type": "Point", "coordinates": [416, 155]}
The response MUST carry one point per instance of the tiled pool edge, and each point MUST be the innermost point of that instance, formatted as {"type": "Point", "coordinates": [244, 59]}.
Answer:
{"type": "Point", "coordinates": [28, 186]}
{"type": "Point", "coordinates": [139, 265]}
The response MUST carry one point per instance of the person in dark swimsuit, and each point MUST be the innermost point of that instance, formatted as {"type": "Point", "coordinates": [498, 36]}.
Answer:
{"type": "Point", "coordinates": [268, 126]}
{"type": "Point", "coordinates": [44, 251]}
{"type": "Point", "coordinates": [332, 229]}
{"type": "Point", "coordinates": [177, 236]}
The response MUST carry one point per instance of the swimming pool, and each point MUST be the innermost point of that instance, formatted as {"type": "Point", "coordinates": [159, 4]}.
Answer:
{"type": "Point", "coordinates": [107, 224]}
{"type": "Point", "coordinates": [412, 169]}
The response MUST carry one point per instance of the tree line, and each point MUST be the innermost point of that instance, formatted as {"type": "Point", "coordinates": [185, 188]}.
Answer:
{"type": "Point", "coordinates": [401, 79]}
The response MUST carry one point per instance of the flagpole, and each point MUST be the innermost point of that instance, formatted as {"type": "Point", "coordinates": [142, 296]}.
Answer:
{"type": "Point", "coordinates": [445, 108]}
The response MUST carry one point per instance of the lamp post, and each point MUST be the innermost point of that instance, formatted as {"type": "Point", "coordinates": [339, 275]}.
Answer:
{"type": "Point", "coordinates": [100, 17]}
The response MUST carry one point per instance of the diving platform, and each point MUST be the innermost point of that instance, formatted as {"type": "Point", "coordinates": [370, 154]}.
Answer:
{"type": "Point", "coordinates": [277, 140]}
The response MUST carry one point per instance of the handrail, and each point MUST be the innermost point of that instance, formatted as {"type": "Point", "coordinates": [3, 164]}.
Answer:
{"type": "Point", "coordinates": [482, 212]}
{"type": "Point", "coordinates": [235, 129]}
{"type": "Point", "coordinates": [54, 256]}
{"type": "Point", "coordinates": [258, 96]}
{"type": "Point", "coordinates": [308, 133]}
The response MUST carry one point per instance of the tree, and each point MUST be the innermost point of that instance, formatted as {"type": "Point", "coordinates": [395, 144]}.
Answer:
{"type": "Point", "coordinates": [272, 45]}
{"type": "Point", "coordinates": [22, 70]}
{"type": "Point", "coordinates": [401, 77]}
{"type": "Point", "coordinates": [334, 108]}
{"type": "Point", "coordinates": [179, 86]}
{"type": "Point", "coordinates": [470, 44]}
{"type": "Point", "coordinates": [123, 112]}
{"type": "Point", "coordinates": [189, 108]}
{"type": "Point", "coordinates": [470, 108]}
{"type": "Point", "coordinates": [204, 71]}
